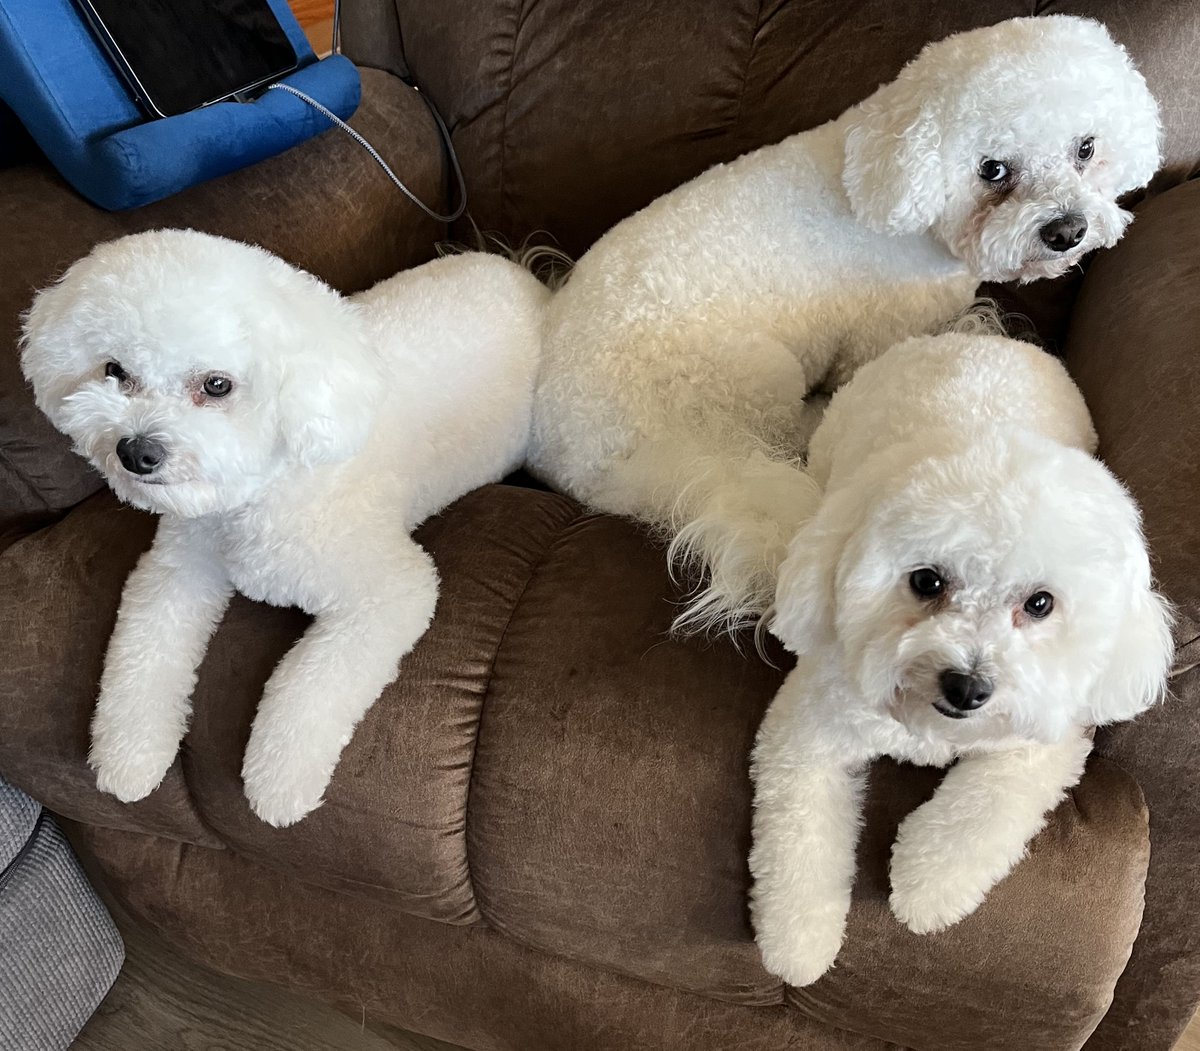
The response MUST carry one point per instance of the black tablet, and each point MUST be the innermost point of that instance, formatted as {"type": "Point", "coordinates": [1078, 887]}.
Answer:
{"type": "Point", "coordinates": [178, 55]}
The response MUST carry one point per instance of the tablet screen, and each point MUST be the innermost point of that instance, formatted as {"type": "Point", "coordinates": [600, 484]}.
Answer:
{"type": "Point", "coordinates": [178, 55]}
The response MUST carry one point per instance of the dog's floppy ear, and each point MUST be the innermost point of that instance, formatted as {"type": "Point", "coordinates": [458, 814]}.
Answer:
{"type": "Point", "coordinates": [1133, 674]}
{"type": "Point", "coordinates": [893, 172]}
{"type": "Point", "coordinates": [52, 356]}
{"type": "Point", "coordinates": [331, 384]}
{"type": "Point", "coordinates": [1133, 146]}
{"type": "Point", "coordinates": [802, 616]}
{"type": "Point", "coordinates": [1140, 659]}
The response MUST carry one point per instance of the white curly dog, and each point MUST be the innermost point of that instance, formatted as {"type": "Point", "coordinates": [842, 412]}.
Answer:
{"type": "Point", "coordinates": [678, 355]}
{"type": "Point", "coordinates": [291, 439]}
{"type": "Point", "coordinates": [974, 586]}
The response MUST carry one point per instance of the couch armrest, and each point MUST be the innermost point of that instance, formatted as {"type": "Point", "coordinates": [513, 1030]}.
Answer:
{"type": "Point", "coordinates": [324, 205]}
{"type": "Point", "coordinates": [1134, 349]}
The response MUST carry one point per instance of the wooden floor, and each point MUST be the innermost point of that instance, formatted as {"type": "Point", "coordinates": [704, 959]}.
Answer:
{"type": "Point", "coordinates": [316, 19]}
{"type": "Point", "coordinates": [320, 36]}
{"type": "Point", "coordinates": [162, 1002]}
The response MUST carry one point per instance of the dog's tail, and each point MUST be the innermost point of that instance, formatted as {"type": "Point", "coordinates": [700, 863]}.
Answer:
{"type": "Point", "coordinates": [729, 522]}
{"type": "Point", "coordinates": [548, 263]}
{"type": "Point", "coordinates": [987, 317]}
{"type": "Point", "coordinates": [733, 524]}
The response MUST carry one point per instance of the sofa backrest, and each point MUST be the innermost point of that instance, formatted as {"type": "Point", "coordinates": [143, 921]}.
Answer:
{"type": "Point", "coordinates": [570, 114]}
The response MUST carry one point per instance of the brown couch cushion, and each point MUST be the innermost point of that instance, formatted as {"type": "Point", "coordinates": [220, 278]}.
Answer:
{"type": "Point", "coordinates": [550, 763]}
{"type": "Point", "coordinates": [610, 813]}
{"type": "Point", "coordinates": [324, 206]}
{"type": "Point", "coordinates": [1034, 967]}
{"type": "Point", "coordinates": [467, 985]}
{"type": "Point", "coordinates": [394, 823]}
{"type": "Point", "coordinates": [59, 590]}
{"type": "Point", "coordinates": [571, 114]}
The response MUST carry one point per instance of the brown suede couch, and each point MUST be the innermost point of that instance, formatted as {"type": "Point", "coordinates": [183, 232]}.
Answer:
{"type": "Point", "coordinates": [537, 838]}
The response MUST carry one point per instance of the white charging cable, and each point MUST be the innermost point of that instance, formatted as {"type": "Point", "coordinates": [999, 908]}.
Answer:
{"type": "Point", "coordinates": [437, 118]}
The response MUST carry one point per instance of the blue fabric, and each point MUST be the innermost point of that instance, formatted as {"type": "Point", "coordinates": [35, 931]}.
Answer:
{"type": "Point", "coordinates": [58, 81]}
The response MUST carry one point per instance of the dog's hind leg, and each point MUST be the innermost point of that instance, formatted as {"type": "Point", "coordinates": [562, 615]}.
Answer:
{"type": "Point", "coordinates": [952, 850]}
{"type": "Point", "coordinates": [324, 685]}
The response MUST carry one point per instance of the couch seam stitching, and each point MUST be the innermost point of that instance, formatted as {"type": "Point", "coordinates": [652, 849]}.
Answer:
{"type": "Point", "coordinates": [657, 983]}
{"type": "Point", "coordinates": [501, 188]}
{"type": "Point", "coordinates": [534, 567]}
{"type": "Point", "coordinates": [400, 37]}
{"type": "Point", "coordinates": [737, 116]}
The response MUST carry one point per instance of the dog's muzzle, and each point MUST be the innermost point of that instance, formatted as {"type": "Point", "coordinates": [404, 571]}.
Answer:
{"type": "Point", "coordinates": [140, 455]}
{"type": "Point", "coordinates": [962, 693]}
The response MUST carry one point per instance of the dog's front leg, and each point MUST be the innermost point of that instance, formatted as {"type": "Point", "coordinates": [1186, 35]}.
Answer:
{"type": "Point", "coordinates": [807, 814]}
{"type": "Point", "coordinates": [324, 685]}
{"type": "Point", "coordinates": [170, 606]}
{"type": "Point", "coordinates": [952, 850]}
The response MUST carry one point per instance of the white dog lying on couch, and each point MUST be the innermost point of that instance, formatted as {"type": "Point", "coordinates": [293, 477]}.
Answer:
{"type": "Point", "coordinates": [291, 439]}
{"type": "Point", "coordinates": [678, 355]}
{"type": "Point", "coordinates": [975, 586]}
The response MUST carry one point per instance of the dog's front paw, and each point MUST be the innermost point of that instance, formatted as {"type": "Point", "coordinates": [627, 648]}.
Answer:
{"type": "Point", "coordinates": [133, 743]}
{"type": "Point", "coordinates": [801, 958]}
{"type": "Point", "coordinates": [934, 884]}
{"type": "Point", "coordinates": [280, 807]}
{"type": "Point", "coordinates": [129, 773]}
{"type": "Point", "coordinates": [930, 908]}
{"type": "Point", "coordinates": [798, 940]}
{"type": "Point", "coordinates": [281, 789]}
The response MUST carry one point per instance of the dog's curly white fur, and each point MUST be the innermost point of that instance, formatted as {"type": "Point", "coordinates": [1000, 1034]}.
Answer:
{"type": "Point", "coordinates": [296, 438]}
{"type": "Point", "coordinates": [678, 355]}
{"type": "Point", "coordinates": [974, 586]}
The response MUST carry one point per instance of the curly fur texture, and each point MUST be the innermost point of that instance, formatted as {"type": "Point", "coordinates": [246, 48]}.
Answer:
{"type": "Point", "coordinates": [349, 421]}
{"type": "Point", "coordinates": [968, 455]}
{"type": "Point", "coordinates": [678, 357]}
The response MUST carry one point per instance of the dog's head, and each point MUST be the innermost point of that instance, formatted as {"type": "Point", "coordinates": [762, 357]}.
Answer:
{"type": "Point", "coordinates": [190, 369]}
{"type": "Point", "coordinates": [1012, 143]}
{"type": "Point", "coordinates": [1003, 589]}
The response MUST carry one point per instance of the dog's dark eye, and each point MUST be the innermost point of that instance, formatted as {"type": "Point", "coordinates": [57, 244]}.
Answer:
{"type": "Point", "coordinates": [113, 370]}
{"type": "Point", "coordinates": [993, 171]}
{"type": "Point", "coordinates": [1039, 604]}
{"type": "Point", "coordinates": [217, 386]}
{"type": "Point", "coordinates": [1087, 148]}
{"type": "Point", "coordinates": [926, 582]}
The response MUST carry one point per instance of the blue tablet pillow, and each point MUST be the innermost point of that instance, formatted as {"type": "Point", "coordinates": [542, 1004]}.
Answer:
{"type": "Point", "coordinates": [56, 78]}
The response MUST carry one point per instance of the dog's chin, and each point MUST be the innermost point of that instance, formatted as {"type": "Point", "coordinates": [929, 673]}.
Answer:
{"type": "Point", "coordinates": [1038, 266]}
{"type": "Point", "coordinates": [161, 496]}
{"type": "Point", "coordinates": [1044, 268]}
{"type": "Point", "coordinates": [932, 719]}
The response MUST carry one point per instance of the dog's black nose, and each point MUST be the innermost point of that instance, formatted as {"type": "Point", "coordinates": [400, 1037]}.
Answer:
{"type": "Point", "coordinates": [140, 454]}
{"type": "Point", "coordinates": [1065, 232]}
{"type": "Point", "coordinates": [965, 692]}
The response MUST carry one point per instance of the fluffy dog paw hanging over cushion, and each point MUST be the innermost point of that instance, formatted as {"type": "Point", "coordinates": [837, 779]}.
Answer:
{"type": "Point", "coordinates": [60, 84]}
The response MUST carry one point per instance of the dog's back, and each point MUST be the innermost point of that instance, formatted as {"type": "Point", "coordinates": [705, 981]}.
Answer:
{"type": "Point", "coordinates": [460, 340]}
{"type": "Point", "coordinates": [957, 383]}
